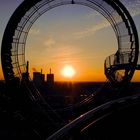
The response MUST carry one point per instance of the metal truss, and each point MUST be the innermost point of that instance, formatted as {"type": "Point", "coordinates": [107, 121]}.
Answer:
{"type": "Point", "coordinates": [119, 67]}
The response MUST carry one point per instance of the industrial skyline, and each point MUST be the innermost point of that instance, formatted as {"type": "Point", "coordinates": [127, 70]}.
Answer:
{"type": "Point", "coordinates": [68, 69]}
{"type": "Point", "coordinates": [79, 37]}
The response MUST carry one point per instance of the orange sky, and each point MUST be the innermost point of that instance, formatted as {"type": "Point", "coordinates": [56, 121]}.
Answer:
{"type": "Point", "coordinates": [59, 38]}
{"type": "Point", "coordinates": [82, 42]}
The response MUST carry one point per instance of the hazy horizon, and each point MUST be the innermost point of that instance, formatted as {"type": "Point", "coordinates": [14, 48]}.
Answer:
{"type": "Point", "coordinates": [72, 35]}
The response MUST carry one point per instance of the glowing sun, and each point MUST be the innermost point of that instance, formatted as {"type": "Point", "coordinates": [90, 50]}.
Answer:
{"type": "Point", "coordinates": [68, 71]}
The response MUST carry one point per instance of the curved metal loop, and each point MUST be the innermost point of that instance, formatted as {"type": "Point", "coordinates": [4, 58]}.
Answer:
{"type": "Point", "coordinates": [16, 33]}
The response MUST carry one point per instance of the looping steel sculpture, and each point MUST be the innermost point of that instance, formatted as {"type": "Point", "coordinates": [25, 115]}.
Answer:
{"type": "Point", "coordinates": [119, 67]}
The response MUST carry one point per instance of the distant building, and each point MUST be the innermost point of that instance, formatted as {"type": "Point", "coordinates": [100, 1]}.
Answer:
{"type": "Point", "coordinates": [50, 78]}
{"type": "Point", "coordinates": [38, 77]}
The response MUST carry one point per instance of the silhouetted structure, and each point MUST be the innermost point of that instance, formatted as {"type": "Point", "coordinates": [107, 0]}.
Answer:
{"type": "Point", "coordinates": [50, 78]}
{"type": "Point", "coordinates": [30, 117]}
{"type": "Point", "coordinates": [38, 78]}
{"type": "Point", "coordinates": [25, 76]}
{"type": "Point", "coordinates": [122, 23]}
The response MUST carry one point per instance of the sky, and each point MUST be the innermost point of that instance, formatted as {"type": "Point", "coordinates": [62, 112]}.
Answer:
{"type": "Point", "coordinates": [70, 35]}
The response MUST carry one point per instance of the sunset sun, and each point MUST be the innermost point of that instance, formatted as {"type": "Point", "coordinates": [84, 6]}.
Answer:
{"type": "Point", "coordinates": [68, 71]}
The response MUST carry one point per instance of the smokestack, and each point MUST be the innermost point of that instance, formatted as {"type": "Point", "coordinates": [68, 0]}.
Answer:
{"type": "Point", "coordinates": [27, 67]}
{"type": "Point", "coordinates": [50, 71]}
{"type": "Point", "coordinates": [41, 71]}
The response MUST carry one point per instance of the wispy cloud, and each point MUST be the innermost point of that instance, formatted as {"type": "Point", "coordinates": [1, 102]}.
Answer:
{"type": "Point", "coordinates": [49, 42]}
{"type": "Point", "coordinates": [133, 6]}
{"type": "Point", "coordinates": [92, 30]}
{"type": "Point", "coordinates": [34, 31]}
{"type": "Point", "coordinates": [93, 14]}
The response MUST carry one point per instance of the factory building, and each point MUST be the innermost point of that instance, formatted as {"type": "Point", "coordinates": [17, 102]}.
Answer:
{"type": "Point", "coordinates": [50, 78]}
{"type": "Point", "coordinates": [38, 78]}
